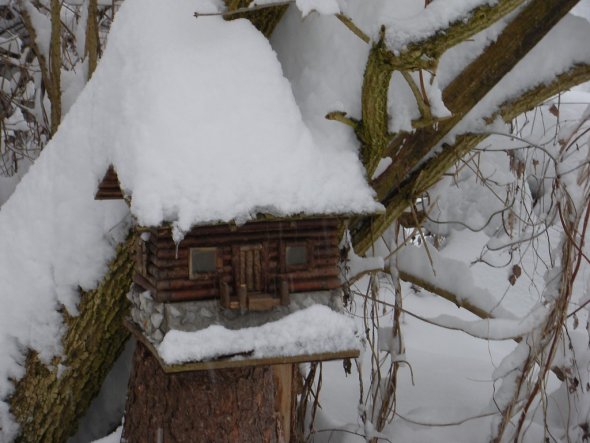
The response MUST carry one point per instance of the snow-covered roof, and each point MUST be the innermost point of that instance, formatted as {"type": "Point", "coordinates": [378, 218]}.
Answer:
{"type": "Point", "coordinates": [207, 128]}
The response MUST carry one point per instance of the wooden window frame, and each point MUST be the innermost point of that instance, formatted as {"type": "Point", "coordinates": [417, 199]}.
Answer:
{"type": "Point", "coordinates": [300, 267]}
{"type": "Point", "coordinates": [203, 275]}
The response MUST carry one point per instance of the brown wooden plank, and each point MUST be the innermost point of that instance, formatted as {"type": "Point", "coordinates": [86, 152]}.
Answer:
{"type": "Point", "coordinates": [284, 292]}
{"type": "Point", "coordinates": [311, 274]}
{"type": "Point", "coordinates": [257, 270]}
{"type": "Point", "coordinates": [186, 295]}
{"type": "Point", "coordinates": [262, 302]}
{"type": "Point", "coordinates": [250, 270]}
{"type": "Point", "coordinates": [180, 284]}
{"type": "Point", "coordinates": [225, 294]}
{"type": "Point", "coordinates": [243, 296]}
{"type": "Point", "coordinates": [314, 285]}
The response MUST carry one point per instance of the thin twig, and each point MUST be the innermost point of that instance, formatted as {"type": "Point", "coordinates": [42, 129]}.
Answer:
{"type": "Point", "coordinates": [347, 21]}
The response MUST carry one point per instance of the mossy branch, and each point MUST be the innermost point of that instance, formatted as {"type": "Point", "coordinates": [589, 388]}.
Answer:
{"type": "Point", "coordinates": [54, 87]}
{"type": "Point", "coordinates": [91, 44]}
{"type": "Point", "coordinates": [373, 130]}
{"type": "Point", "coordinates": [365, 230]}
{"type": "Point", "coordinates": [43, 67]}
{"type": "Point", "coordinates": [425, 53]}
{"type": "Point", "coordinates": [341, 117]}
{"type": "Point", "coordinates": [264, 17]}
{"type": "Point", "coordinates": [471, 85]}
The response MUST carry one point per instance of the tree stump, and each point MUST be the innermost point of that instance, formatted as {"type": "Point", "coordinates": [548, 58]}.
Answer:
{"type": "Point", "coordinates": [222, 405]}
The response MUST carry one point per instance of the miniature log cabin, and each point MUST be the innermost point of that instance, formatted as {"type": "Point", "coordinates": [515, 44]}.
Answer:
{"type": "Point", "coordinates": [233, 275]}
{"type": "Point", "coordinates": [252, 267]}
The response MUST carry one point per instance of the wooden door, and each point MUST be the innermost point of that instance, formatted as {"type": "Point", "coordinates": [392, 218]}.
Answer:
{"type": "Point", "coordinates": [251, 268]}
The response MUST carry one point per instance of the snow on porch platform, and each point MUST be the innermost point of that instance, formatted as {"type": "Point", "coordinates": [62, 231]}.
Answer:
{"type": "Point", "coordinates": [314, 334]}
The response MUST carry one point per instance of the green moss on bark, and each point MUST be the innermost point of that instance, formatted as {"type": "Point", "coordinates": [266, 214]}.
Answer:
{"type": "Point", "coordinates": [48, 401]}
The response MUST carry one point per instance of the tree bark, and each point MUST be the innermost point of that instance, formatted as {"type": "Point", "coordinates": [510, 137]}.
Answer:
{"type": "Point", "coordinates": [48, 400]}
{"type": "Point", "coordinates": [92, 44]}
{"type": "Point", "coordinates": [54, 89]}
{"type": "Point", "coordinates": [265, 20]}
{"type": "Point", "coordinates": [224, 405]}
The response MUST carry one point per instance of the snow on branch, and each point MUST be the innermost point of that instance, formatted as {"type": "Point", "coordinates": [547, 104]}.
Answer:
{"type": "Point", "coordinates": [452, 281]}
{"type": "Point", "coordinates": [364, 233]}
{"type": "Point", "coordinates": [418, 42]}
{"type": "Point", "coordinates": [495, 329]}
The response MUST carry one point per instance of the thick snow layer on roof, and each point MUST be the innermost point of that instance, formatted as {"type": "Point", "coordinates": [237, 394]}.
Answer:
{"type": "Point", "coordinates": [207, 128]}
{"type": "Point", "coordinates": [314, 330]}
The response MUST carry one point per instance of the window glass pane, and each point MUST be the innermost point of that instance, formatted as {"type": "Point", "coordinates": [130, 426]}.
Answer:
{"type": "Point", "coordinates": [296, 255]}
{"type": "Point", "coordinates": [203, 260]}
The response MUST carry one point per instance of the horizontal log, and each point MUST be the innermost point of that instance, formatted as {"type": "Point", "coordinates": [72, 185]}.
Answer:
{"type": "Point", "coordinates": [182, 271]}
{"type": "Point", "coordinates": [228, 239]}
{"type": "Point", "coordinates": [108, 195]}
{"type": "Point", "coordinates": [183, 252]}
{"type": "Point", "coordinates": [310, 274]}
{"type": "Point", "coordinates": [194, 285]}
{"type": "Point", "coordinates": [325, 262]}
{"type": "Point", "coordinates": [266, 226]}
{"type": "Point", "coordinates": [246, 236]}
{"type": "Point", "coordinates": [314, 285]}
{"type": "Point", "coordinates": [186, 295]}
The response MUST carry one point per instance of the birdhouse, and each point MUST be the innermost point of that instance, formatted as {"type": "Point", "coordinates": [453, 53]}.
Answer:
{"type": "Point", "coordinates": [238, 277]}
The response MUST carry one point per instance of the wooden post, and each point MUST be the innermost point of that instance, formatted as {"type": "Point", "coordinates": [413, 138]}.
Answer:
{"type": "Point", "coordinates": [243, 297]}
{"type": "Point", "coordinates": [224, 291]}
{"type": "Point", "coordinates": [284, 292]}
{"type": "Point", "coordinates": [283, 377]}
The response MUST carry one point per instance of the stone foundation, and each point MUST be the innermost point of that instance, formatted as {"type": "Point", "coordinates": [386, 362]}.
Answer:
{"type": "Point", "coordinates": [155, 319]}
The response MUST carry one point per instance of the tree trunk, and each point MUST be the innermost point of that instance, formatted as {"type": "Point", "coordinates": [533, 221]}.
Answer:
{"type": "Point", "coordinates": [49, 400]}
{"type": "Point", "coordinates": [224, 405]}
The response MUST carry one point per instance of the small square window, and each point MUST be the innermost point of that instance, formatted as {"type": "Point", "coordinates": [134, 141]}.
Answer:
{"type": "Point", "coordinates": [296, 255]}
{"type": "Point", "coordinates": [203, 261]}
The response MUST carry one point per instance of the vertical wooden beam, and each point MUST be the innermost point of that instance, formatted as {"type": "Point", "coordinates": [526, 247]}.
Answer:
{"type": "Point", "coordinates": [284, 291]}
{"type": "Point", "coordinates": [243, 297]}
{"type": "Point", "coordinates": [224, 291]}
{"type": "Point", "coordinates": [283, 377]}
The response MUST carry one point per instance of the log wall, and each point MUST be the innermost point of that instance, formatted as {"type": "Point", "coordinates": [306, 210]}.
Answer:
{"type": "Point", "coordinates": [163, 267]}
